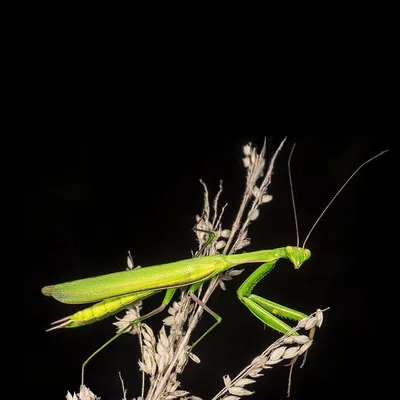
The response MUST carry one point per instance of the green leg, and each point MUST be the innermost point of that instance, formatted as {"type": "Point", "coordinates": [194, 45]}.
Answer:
{"type": "Point", "coordinates": [195, 286]}
{"type": "Point", "coordinates": [211, 312]}
{"type": "Point", "coordinates": [265, 310]}
{"type": "Point", "coordinates": [167, 298]}
{"type": "Point", "coordinates": [209, 240]}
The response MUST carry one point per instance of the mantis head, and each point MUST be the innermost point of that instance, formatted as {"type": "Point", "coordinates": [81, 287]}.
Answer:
{"type": "Point", "coordinates": [297, 255]}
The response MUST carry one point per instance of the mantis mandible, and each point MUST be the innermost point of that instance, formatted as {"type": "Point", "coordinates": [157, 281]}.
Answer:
{"type": "Point", "coordinates": [114, 292]}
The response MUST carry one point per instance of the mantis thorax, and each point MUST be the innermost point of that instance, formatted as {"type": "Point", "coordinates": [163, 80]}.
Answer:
{"type": "Point", "coordinates": [297, 255]}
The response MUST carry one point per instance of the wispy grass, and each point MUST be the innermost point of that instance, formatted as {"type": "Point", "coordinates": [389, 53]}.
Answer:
{"type": "Point", "coordinates": [165, 354]}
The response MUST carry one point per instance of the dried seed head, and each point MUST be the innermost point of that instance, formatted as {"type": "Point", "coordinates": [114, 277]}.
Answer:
{"type": "Point", "coordinates": [171, 310]}
{"type": "Point", "coordinates": [277, 353]}
{"type": "Point", "coordinates": [259, 360]}
{"type": "Point", "coordinates": [143, 367]}
{"type": "Point", "coordinates": [71, 397]}
{"type": "Point", "coordinates": [220, 244]}
{"type": "Point", "coordinates": [169, 320]}
{"type": "Point", "coordinates": [255, 372]}
{"type": "Point", "coordinates": [226, 277]}
{"type": "Point", "coordinates": [235, 272]}
{"type": "Point", "coordinates": [254, 214]}
{"type": "Point", "coordinates": [289, 340]}
{"type": "Point", "coordinates": [227, 380]}
{"type": "Point", "coordinates": [310, 323]}
{"type": "Point", "coordinates": [149, 331]}
{"type": "Point", "coordinates": [149, 360]}
{"type": "Point", "coordinates": [176, 394]}
{"type": "Point", "coordinates": [161, 362]}
{"type": "Point", "coordinates": [302, 322]}
{"type": "Point", "coordinates": [86, 394]}
{"type": "Point", "coordinates": [319, 315]}
{"type": "Point", "coordinates": [182, 363]}
{"type": "Point", "coordinates": [301, 339]}
{"type": "Point", "coordinates": [161, 349]}
{"type": "Point", "coordinates": [246, 162]}
{"type": "Point", "coordinates": [256, 191]}
{"type": "Point", "coordinates": [244, 382]}
{"type": "Point", "coordinates": [247, 149]}
{"type": "Point", "coordinates": [130, 315]}
{"type": "Point", "coordinates": [253, 156]}
{"type": "Point", "coordinates": [194, 358]}
{"type": "Point", "coordinates": [272, 362]}
{"type": "Point", "coordinates": [173, 383]}
{"type": "Point", "coordinates": [221, 284]}
{"type": "Point", "coordinates": [242, 243]}
{"type": "Point", "coordinates": [129, 261]}
{"type": "Point", "coordinates": [147, 343]}
{"type": "Point", "coordinates": [291, 352]}
{"type": "Point", "coordinates": [238, 391]}
{"type": "Point", "coordinates": [305, 347]}
{"type": "Point", "coordinates": [146, 336]}
{"type": "Point", "coordinates": [266, 198]}
{"type": "Point", "coordinates": [164, 338]}
{"type": "Point", "coordinates": [225, 233]}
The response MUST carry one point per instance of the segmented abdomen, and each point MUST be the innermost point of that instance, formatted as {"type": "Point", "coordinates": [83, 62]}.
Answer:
{"type": "Point", "coordinates": [105, 308]}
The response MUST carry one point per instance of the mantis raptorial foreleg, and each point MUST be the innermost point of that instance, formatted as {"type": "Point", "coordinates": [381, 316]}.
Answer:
{"type": "Point", "coordinates": [167, 299]}
{"type": "Point", "coordinates": [265, 310]}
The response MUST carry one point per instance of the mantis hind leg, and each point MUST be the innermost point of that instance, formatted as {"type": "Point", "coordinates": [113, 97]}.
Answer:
{"type": "Point", "coordinates": [265, 310]}
{"type": "Point", "coordinates": [211, 312]}
{"type": "Point", "coordinates": [167, 298]}
{"type": "Point", "coordinates": [211, 237]}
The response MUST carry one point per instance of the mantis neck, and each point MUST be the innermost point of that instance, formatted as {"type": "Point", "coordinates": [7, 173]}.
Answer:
{"type": "Point", "coordinates": [255, 256]}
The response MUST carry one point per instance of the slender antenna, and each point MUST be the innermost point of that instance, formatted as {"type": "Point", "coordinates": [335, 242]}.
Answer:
{"type": "Point", "coordinates": [292, 193]}
{"type": "Point", "coordinates": [334, 197]}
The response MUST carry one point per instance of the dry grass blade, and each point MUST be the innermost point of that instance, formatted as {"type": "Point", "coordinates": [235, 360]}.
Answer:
{"type": "Point", "coordinates": [287, 347]}
{"type": "Point", "coordinates": [164, 355]}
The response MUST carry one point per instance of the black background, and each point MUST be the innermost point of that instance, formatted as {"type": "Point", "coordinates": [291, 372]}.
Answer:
{"type": "Point", "coordinates": [90, 199]}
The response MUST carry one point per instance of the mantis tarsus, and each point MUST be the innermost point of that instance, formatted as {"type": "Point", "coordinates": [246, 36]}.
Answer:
{"type": "Point", "coordinates": [114, 292]}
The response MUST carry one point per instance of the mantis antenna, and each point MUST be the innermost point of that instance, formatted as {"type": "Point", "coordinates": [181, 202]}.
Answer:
{"type": "Point", "coordinates": [292, 194]}
{"type": "Point", "coordinates": [343, 186]}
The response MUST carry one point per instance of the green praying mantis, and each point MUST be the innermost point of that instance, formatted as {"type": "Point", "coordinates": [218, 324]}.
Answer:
{"type": "Point", "coordinates": [114, 292]}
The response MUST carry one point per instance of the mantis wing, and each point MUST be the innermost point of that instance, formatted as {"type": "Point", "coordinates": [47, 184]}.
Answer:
{"type": "Point", "coordinates": [176, 274]}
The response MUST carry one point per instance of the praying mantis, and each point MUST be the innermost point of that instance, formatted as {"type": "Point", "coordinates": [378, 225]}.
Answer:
{"type": "Point", "coordinates": [114, 292]}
